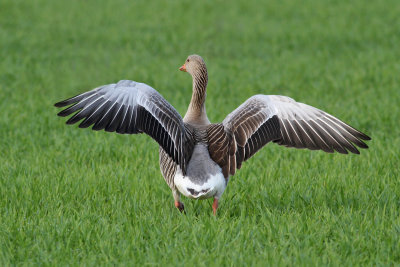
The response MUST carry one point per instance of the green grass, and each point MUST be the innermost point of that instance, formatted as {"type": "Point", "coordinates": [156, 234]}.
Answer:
{"type": "Point", "coordinates": [76, 197]}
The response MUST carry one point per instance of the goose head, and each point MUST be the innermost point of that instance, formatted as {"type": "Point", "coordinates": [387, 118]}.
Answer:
{"type": "Point", "coordinates": [194, 65]}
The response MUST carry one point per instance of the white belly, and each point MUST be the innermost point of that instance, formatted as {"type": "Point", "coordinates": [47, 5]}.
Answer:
{"type": "Point", "coordinates": [204, 178]}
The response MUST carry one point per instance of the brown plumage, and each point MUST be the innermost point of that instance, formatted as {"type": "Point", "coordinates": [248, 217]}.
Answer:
{"type": "Point", "coordinates": [197, 157]}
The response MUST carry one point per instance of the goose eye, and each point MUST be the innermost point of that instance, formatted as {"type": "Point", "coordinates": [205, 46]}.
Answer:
{"type": "Point", "coordinates": [187, 60]}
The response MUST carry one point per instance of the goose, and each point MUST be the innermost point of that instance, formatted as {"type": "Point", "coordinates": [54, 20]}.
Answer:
{"type": "Point", "coordinates": [197, 157]}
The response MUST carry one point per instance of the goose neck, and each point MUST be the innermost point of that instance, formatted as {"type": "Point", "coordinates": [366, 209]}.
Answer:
{"type": "Point", "coordinates": [197, 110]}
{"type": "Point", "coordinates": [200, 80]}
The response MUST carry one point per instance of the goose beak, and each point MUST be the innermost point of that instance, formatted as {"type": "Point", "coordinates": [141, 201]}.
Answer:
{"type": "Point", "coordinates": [183, 68]}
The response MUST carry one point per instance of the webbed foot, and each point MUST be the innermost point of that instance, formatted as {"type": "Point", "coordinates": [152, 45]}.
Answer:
{"type": "Point", "coordinates": [180, 206]}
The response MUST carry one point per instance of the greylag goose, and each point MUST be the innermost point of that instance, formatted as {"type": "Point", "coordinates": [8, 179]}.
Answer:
{"type": "Point", "coordinates": [198, 157]}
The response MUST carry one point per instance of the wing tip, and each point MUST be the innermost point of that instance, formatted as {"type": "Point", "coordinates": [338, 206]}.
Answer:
{"type": "Point", "coordinates": [60, 104]}
{"type": "Point", "coordinates": [366, 137]}
{"type": "Point", "coordinates": [62, 114]}
{"type": "Point", "coordinates": [83, 125]}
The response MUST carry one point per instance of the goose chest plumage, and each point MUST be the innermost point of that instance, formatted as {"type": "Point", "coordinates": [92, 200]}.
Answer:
{"type": "Point", "coordinates": [198, 157]}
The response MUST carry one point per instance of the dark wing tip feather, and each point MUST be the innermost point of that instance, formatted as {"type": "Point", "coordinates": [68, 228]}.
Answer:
{"type": "Point", "coordinates": [69, 101]}
{"type": "Point", "coordinates": [365, 137]}
{"type": "Point", "coordinates": [96, 128]}
{"type": "Point", "coordinates": [358, 133]}
{"type": "Point", "coordinates": [361, 144]}
{"type": "Point", "coordinates": [342, 151]}
{"type": "Point", "coordinates": [60, 104]}
{"type": "Point", "coordinates": [62, 113]}
{"type": "Point", "coordinates": [83, 126]}
{"type": "Point", "coordinates": [358, 141]}
{"type": "Point", "coordinates": [74, 99]}
{"type": "Point", "coordinates": [68, 111]}
{"type": "Point", "coordinates": [74, 119]}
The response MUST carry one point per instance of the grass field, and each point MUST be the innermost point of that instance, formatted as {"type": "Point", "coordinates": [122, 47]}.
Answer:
{"type": "Point", "coordinates": [77, 197]}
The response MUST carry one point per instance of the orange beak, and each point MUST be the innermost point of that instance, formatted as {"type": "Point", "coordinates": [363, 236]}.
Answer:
{"type": "Point", "coordinates": [183, 68]}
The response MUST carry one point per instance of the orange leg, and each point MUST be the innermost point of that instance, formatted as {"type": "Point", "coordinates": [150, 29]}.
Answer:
{"type": "Point", "coordinates": [215, 206]}
{"type": "Point", "coordinates": [180, 206]}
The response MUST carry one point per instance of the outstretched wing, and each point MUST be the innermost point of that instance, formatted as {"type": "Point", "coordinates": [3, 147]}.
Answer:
{"type": "Point", "coordinates": [265, 118]}
{"type": "Point", "coordinates": [129, 107]}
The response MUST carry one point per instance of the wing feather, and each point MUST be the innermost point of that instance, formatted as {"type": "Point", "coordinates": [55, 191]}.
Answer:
{"type": "Point", "coordinates": [129, 107]}
{"type": "Point", "coordinates": [262, 119]}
